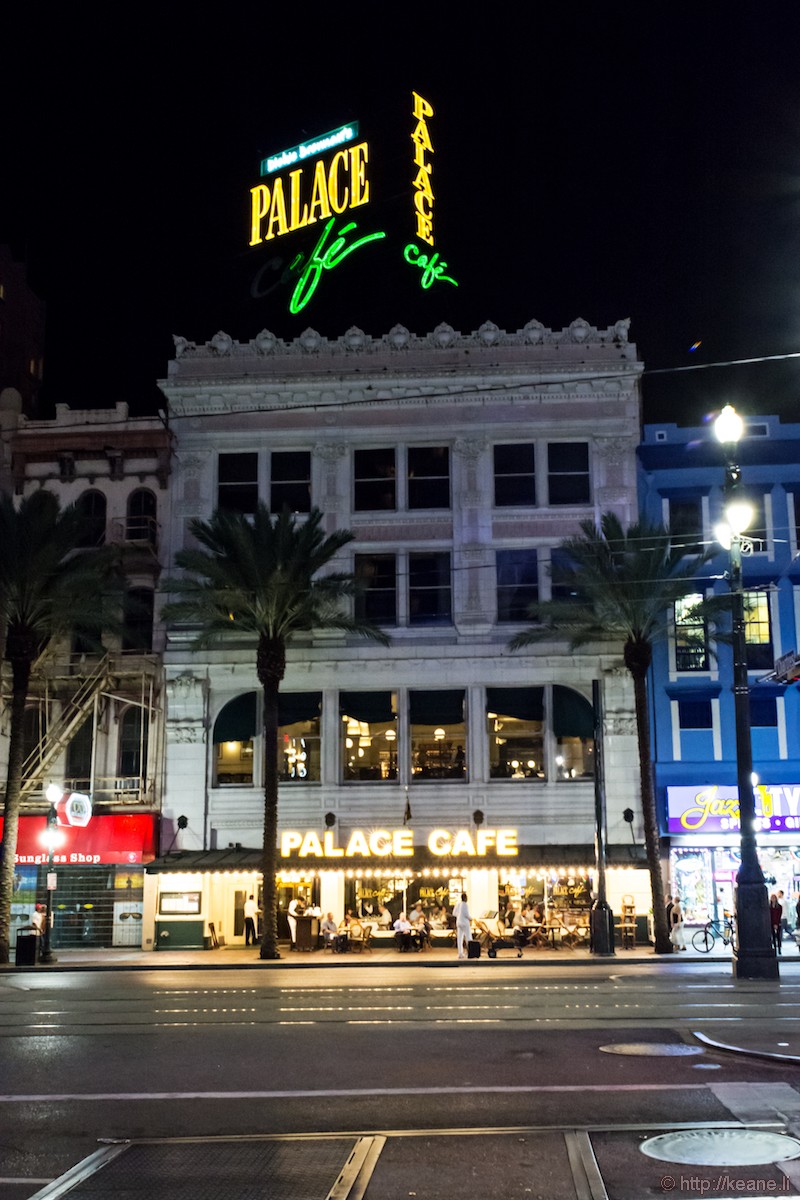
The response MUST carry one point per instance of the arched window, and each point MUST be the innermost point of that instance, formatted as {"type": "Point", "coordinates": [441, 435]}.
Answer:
{"type": "Point", "coordinates": [133, 731]}
{"type": "Point", "coordinates": [234, 730]}
{"type": "Point", "coordinates": [573, 730]}
{"type": "Point", "coordinates": [92, 508]}
{"type": "Point", "coordinates": [137, 620]}
{"type": "Point", "coordinates": [141, 525]}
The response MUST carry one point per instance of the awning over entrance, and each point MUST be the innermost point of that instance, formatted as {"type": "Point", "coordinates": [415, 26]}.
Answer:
{"type": "Point", "coordinates": [191, 861]}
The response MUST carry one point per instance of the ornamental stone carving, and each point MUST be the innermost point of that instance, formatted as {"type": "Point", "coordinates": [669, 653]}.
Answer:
{"type": "Point", "coordinates": [221, 344]}
{"type": "Point", "coordinates": [620, 726]}
{"type": "Point", "coordinates": [185, 698]}
{"type": "Point", "coordinates": [185, 732]}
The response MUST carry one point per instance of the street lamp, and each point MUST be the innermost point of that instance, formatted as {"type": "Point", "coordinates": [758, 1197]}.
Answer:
{"type": "Point", "coordinates": [50, 839]}
{"type": "Point", "coordinates": [755, 957]}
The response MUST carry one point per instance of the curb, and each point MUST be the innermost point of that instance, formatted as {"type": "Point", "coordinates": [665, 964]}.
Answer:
{"type": "Point", "coordinates": [764, 1055]}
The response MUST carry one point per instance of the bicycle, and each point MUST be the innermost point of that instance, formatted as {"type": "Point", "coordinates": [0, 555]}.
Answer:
{"type": "Point", "coordinates": [705, 939]}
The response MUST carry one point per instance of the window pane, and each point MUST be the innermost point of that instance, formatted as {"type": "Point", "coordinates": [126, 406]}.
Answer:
{"type": "Point", "coordinates": [438, 745]}
{"type": "Point", "coordinates": [516, 743]}
{"type": "Point", "coordinates": [758, 635]}
{"type": "Point", "coordinates": [691, 651]}
{"type": "Point", "coordinates": [374, 485]}
{"type": "Point", "coordinates": [92, 509]}
{"type": "Point", "coordinates": [238, 482]}
{"type": "Point", "coordinates": [686, 523]}
{"type": "Point", "coordinates": [234, 762]}
{"type": "Point", "coordinates": [568, 472]}
{"type": "Point", "coordinates": [763, 711]}
{"type": "Point", "coordinates": [377, 574]}
{"type": "Point", "coordinates": [563, 585]}
{"type": "Point", "coordinates": [133, 743]}
{"type": "Point", "coordinates": [694, 714]}
{"type": "Point", "coordinates": [514, 475]}
{"type": "Point", "coordinates": [429, 601]}
{"type": "Point", "coordinates": [428, 477]}
{"type": "Point", "coordinates": [291, 481]}
{"type": "Point", "coordinates": [299, 752]}
{"type": "Point", "coordinates": [369, 735]}
{"type": "Point", "coordinates": [137, 620]}
{"type": "Point", "coordinates": [517, 584]}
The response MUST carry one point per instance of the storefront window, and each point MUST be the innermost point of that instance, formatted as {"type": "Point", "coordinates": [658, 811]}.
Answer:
{"type": "Point", "coordinates": [438, 735]}
{"type": "Point", "coordinates": [515, 728]}
{"type": "Point", "coordinates": [299, 737]}
{"type": "Point", "coordinates": [369, 735]}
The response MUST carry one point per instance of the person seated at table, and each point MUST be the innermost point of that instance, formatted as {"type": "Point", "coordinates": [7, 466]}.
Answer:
{"type": "Point", "coordinates": [402, 932]}
{"type": "Point", "coordinates": [520, 930]}
{"type": "Point", "coordinates": [420, 929]}
{"type": "Point", "coordinates": [384, 917]}
{"type": "Point", "coordinates": [328, 930]}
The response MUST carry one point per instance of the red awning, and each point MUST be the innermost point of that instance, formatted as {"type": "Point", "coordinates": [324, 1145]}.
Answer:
{"type": "Point", "coordinates": [118, 838]}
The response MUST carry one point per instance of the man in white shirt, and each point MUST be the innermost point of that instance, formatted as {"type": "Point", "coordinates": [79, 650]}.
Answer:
{"type": "Point", "coordinates": [463, 925]}
{"type": "Point", "coordinates": [251, 911]}
{"type": "Point", "coordinates": [402, 932]}
{"type": "Point", "coordinates": [294, 910]}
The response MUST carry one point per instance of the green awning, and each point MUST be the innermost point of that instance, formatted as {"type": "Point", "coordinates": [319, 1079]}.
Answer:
{"type": "Point", "coordinates": [294, 707]}
{"type": "Point", "coordinates": [573, 715]}
{"type": "Point", "coordinates": [237, 720]}
{"type": "Point", "coordinates": [523, 703]}
{"type": "Point", "coordinates": [371, 707]}
{"type": "Point", "coordinates": [444, 707]}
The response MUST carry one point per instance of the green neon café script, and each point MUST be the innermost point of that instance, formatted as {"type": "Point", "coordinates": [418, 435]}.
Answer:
{"type": "Point", "coordinates": [324, 258]}
{"type": "Point", "coordinates": [431, 265]}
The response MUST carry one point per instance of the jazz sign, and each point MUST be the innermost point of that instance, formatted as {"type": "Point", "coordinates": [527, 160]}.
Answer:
{"type": "Point", "coordinates": [324, 183]}
{"type": "Point", "coordinates": [715, 809]}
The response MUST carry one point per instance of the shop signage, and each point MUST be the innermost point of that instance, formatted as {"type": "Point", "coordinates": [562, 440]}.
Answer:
{"type": "Point", "coordinates": [715, 809]}
{"type": "Point", "coordinates": [123, 838]}
{"type": "Point", "coordinates": [328, 176]}
{"type": "Point", "coordinates": [399, 843]}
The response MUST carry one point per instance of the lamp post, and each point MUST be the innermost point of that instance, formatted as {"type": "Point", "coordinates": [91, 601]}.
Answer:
{"type": "Point", "coordinates": [50, 838]}
{"type": "Point", "coordinates": [755, 957]}
{"type": "Point", "coordinates": [602, 918]}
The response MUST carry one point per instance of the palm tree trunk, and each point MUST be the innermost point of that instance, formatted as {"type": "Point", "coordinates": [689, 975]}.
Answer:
{"type": "Point", "coordinates": [21, 670]}
{"type": "Point", "coordinates": [271, 668]}
{"type": "Point", "coordinates": [652, 837]}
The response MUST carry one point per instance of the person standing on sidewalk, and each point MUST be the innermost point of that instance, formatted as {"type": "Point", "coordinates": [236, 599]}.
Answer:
{"type": "Point", "coordinates": [676, 917]}
{"type": "Point", "coordinates": [775, 917]}
{"type": "Point", "coordinates": [463, 925]}
{"type": "Point", "coordinates": [251, 911]}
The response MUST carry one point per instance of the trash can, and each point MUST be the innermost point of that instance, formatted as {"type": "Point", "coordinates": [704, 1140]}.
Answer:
{"type": "Point", "coordinates": [27, 947]}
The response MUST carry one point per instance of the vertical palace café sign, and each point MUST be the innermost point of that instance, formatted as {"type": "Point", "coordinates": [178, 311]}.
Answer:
{"type": "Point", "coordinates": [318, 199]}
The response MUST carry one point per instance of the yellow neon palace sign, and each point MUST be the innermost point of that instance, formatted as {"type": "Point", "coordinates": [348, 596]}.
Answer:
{"type": "Point", "coordinates": [311, 193]}
{"type": "Point", "coordinates": [423, 192]}
{"type": "Point", "coordinates": [399, 843]}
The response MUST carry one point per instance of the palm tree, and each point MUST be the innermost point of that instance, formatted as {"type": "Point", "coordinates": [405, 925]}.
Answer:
{"type": "Point", "coordinates": [258, 576]}
{"type": "Point", "coordinates": [49, 589]}
{"type": "Point", "coordinates": [623, 585]}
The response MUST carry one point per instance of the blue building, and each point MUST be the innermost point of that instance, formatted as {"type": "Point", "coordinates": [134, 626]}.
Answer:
{"type": "Point", "coordinates": [682, 472]}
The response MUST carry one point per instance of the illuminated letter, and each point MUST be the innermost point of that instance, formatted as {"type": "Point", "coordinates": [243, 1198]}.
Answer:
{"type": "Point", "coordinates": [507, 842]}
{"type": "Point", "coordinates": [260, 204]}
{"type": "Point", "coordinates": [422, 108]}
{"type": "Point", "coordinates": [357, 844]}
{"type": "Point", "coordinates": [423, 181]}
{"type": "Point", "coordinates": [319, 194]}
{"type": "Point", "coordinates": [311, 845]}
{"type": "Point", "coordinates": [485, 838]}
{"type": "Point", "coordinates": [359, 184]}
{"type": "Point", "coordinates": [277, 212]}
{"type": "Point", "coordinates": [331, 849]}
{"type": "Point", "coordinates": [421, 199]}
{"type": "Point", "coordinates": [289, 842]}
{"type": "Point", "coordinates": [380, 843]}
{"type": "Point", "coordinates": [403, 843]}
{"type": "Point", "coordinates": [338, 160]}
{"type": "Point", "coordinates": [463, 844]}
{"type": "Point", "coordinates": [439, 842]}
{"type": "Point", "coordinates": [422, 138]}
{"type": "Point", "coordinates": [424, 228]}
{"type": "Point", "coordinates": [297, 221]}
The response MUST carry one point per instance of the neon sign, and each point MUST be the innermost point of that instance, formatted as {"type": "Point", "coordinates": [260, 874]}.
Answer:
{"type": "Point", "coordinates": [286, 158]}
{"type": "Point", "coordinates": [399, 843]}
{"type": "Point", "coordinates": [326, 195]}
{"type": "Point", "coordinates": [319, 261]}
{"type": "Point", "coordinates": [431, 266]}
{"type": "Point", "coordinates": [715, 809]}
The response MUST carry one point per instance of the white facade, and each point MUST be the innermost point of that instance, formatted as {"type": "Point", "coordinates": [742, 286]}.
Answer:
{"type": "Point", "coordinates": [452, 458]}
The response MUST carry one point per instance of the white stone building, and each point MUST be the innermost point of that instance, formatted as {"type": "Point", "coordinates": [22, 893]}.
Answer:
{"type": "Point", "coordinates": [459, 462]}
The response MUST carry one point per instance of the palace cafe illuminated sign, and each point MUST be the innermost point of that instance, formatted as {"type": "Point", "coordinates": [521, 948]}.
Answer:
{"type": "Point", "coordinates": [322, 182]}
{"type": "Point", "coordinates": [399, 843]}
{"type": "Point", "coordinates": [715, 809]}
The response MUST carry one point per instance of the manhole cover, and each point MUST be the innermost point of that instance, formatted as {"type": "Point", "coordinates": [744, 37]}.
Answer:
{"type": "Point", "coordinates": [721, 1147]}
{"type": "Point", "coordinates": [653, 1049]}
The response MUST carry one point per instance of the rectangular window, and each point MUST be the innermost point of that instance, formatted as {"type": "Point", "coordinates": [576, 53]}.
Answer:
{"type": "Point", "coordinates": [438, 735]}
{"type": "Point", "coordinates": [517, 584]}
{"type": "Point", "coordinates": [515, 729]}
{"type": "Point", "coordinates": [763, 711]}
{"type": "Point", "coordinates": [429, 598]}
{"type": "Point", "coordinates": [377, 575]}
{"type": "Point", "coordinates": [514, 475]}
{"type": "Point", "coordinates": [568, 473]}
{"type": "Point", "coordinates": [686, 523]}
{"type": "Point", "coordinates": [369, 735]}
{"type": "Point", "coordinates": [691, 636]}
{"type": "Point", "coordinates": [299, 737]}
{"type": "Point", "coordinates": [238, 482]}
{"type": "Point", "coordinates": [694, 714]}
{"type": "Point", "coordinates": [374, 480]}
{"type": "Point", "coordinates": [428, 477]}
{"type": "Point", "coordinates": [291, 481]}
{"type": "Point", "coordinates": [563, 584]}
{"type": "Point", "coordinates": [758, 632]}
{"type": "Point", "coordinates": [757, 529]}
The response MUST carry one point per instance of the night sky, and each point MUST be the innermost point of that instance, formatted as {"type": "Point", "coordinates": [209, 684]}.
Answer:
{"type": "Point", "coordinates": [602, 161]}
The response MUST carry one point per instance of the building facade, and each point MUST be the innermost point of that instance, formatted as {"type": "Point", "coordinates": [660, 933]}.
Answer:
{"type": "Point", "coordinates": [682, 472]}
{"type": "Point", "coordinates": [459, 462]}
{"type": "Point", "coordinates": [94, 720]}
